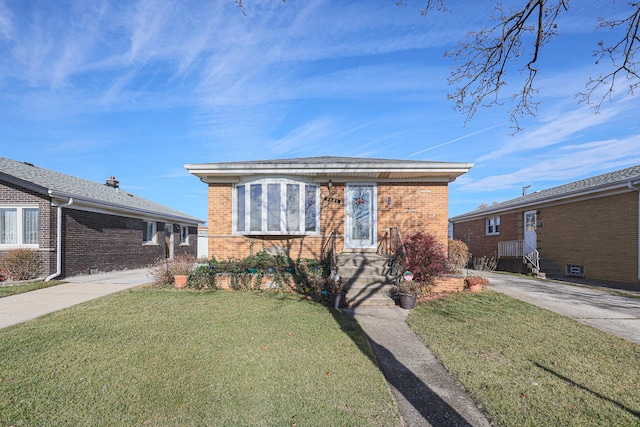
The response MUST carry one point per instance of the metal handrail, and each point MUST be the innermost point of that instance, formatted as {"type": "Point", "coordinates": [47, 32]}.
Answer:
{"type": "Point", "coordinates": [520, 248]}
{"type": "Point", "coordinates": [532, 255]}
{"type": "Point", "coordinates": [331, 241]}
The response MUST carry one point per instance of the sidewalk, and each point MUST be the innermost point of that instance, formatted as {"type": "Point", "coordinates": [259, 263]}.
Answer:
{"type": "Point", "coordinates": [426, 394]}
{"type": "Point", "coordinates": [31, 305]}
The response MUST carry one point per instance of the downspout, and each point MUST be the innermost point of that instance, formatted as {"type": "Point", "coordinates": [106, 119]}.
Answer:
{"type": "Point", "coordinates": [59, 238]}
{"type": "Point", "coordinates": [634, 187]}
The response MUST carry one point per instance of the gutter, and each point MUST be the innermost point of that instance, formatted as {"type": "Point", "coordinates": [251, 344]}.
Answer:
{"type": "Point", "coordinates": [633, 186]}
{"type": "Point", "coordinates": [59, 237]}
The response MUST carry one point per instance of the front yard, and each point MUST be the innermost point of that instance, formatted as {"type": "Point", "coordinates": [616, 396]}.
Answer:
{"type": "Point", "coordinates": [169, 358]}
{"type": "Point", "coordinates": [530, 367]}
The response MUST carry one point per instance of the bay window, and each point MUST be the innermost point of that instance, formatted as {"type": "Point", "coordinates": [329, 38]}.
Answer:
{"type": "Point", "coordinates": [276, 206]}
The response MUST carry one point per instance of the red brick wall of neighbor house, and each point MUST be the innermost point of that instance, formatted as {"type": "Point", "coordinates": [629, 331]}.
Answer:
{"type": "Point", "coordinates": [473, 234]}
{"type": "Point", "coordinates": [10, 194]}
{"type": "Point", "coordinates": [111, 242]}
{"type": "Point", "coordinates": [414, 207]}
{"type": "Point", "coordinates": [600, 234]}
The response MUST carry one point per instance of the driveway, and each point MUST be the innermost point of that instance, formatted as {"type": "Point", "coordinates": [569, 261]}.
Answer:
{"type": "Point", "coordinates": [614, 314]}
{"type": "Point", "coordinates": [31, 305]}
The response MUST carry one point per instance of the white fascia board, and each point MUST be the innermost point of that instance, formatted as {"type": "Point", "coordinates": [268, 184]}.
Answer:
{"type": "Point", "coordinates": [216, 173]}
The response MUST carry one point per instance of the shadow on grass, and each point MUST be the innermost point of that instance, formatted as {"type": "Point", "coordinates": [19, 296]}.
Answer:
{"type": "Point", "coordinates": [581, 387]}
{"type": "Point", "coordinates": [427, 404]}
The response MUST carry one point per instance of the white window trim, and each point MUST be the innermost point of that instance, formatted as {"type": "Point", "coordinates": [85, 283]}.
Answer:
{"type": "Point", "coordinates": [184, 242]}
{"type": "Point", "coordinates": [496, 226]}
{"type": "Point", "coordinates": [20, 227]}
{"type": "Point", "coordinates": [282, 232]}
{"type": "Point", "coordinates": [154, 239]}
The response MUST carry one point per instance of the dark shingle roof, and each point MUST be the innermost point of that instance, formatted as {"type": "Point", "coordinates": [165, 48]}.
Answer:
{"type": "Point", "coordinates": [589, 185]}
{"type": "Point", "coordinates": [43, 180]}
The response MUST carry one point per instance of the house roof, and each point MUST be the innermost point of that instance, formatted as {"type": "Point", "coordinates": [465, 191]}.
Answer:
{"type": "Point", "coordinates": [327, 168]}
{"type": "Point", "coordinates": [606, 184]}
{"type": "Point", "coordinates": [87, 194]}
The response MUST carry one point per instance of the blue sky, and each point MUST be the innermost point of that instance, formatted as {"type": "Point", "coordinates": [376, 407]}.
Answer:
{"type": "Point", "coordinates": [136, 89]}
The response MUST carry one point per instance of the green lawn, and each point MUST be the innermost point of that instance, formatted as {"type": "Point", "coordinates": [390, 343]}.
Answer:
{"type": "Point", "coordinates": [531, 367]}
{"type": "Point", "coordinates": [182, 358]}
{"type": "Point", "coordinates": [8, 290]}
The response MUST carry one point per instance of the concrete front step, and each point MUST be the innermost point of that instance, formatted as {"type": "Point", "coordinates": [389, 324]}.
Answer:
{"type": "Point", "coordinates": [368, 279]}
{"type": "Point", "coordinates": [549, 268]}
{"type": "Point", "coordinates": [371, 295]}
{"type": "Point", "coordinates": [362, 259]}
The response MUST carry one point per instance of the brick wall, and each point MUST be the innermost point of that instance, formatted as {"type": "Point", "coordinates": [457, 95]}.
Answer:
{"type": "Point", "coordinates": [600, 234]}
{"type": "Point", "coordinates": [110, 242]}
{"type": "Point", "coordinates": [413, 207]}
{"type": "Point", "coordinates": [12, 194]}
{"type": "Point", "coordinates": [472, 232]}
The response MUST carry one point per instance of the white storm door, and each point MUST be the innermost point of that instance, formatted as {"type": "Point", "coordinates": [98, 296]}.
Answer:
{"type": "Point", "coordinates": [361, 216]}
{"type": "Point", "coordinates": [530, 236]}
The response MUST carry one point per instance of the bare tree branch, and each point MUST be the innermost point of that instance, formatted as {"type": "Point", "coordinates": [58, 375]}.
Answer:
{"type": "Point", "coordinates": [623, 56]}
{"type": "Point", "coordinates": [486, 57]}
{"type": "Point", "coordinates": [431, 5]}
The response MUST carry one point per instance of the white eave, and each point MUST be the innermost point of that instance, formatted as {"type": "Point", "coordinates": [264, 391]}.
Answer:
{"type": "Point", "coordinates": [336, 171]}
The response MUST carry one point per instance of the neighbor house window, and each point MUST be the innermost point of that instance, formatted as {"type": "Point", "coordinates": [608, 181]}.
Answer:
{"type": "Point", "coordinates": [19, 226]}
{"type": "Point", "coordinates": [492, 225]}
{"type": "Point", "coordinates": [184, 235]}
{"type": "Point", "coordinates": [149, 232]}
{"type": "Point", "coordinates": [276, 206]}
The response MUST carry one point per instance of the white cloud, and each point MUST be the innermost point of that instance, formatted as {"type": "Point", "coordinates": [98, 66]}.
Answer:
{"type": "Point", "coordinates": [564, 164]}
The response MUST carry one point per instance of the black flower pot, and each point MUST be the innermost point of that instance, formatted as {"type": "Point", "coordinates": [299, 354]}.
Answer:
{"type": "Point", "coordinates": [407, 301]}
{"type": "Point", "coordinates": [337, 299]}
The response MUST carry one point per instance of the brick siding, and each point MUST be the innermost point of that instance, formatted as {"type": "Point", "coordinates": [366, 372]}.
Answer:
{"type": "Point", "coordinates": [472, 232]}
{"type": "Point", "coordinates": [110, 242]}
{"type": "Point", "coordinates": [600, 234]}
{"type": "Point", "coordinates": [413, 207]}
{"type": "Point", "coordinates": [11, 194]}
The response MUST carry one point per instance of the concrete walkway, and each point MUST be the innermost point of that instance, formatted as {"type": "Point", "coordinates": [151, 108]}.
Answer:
{"type": "Point", "coordinates": [31, 305]}
{"type": "Point", "coordinates": [587, 304]}
{"type": "Point", "coordinates": [426, 394]}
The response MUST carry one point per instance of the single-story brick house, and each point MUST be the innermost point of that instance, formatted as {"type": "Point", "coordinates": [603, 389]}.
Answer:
{"type": "Point", "coordinates": [296, 206]}
{"type": "Point", "coordinates": [588, 228]}
{"type": "Point", "coordinates": [79, 226]}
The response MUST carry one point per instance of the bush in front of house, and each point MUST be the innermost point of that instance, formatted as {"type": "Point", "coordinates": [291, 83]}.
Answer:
{"type": "Point", "coordinates": [426, 257]}
{"type": "Point", "coordinates": [202, 278]}
{"type": "Point", "coordinates": [163, 270]}
{"type": "Point", "coordinates": [22, 264]}
{"type": "Point", "coordinates": [458, 254]}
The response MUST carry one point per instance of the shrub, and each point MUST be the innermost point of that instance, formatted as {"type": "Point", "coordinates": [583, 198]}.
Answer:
{"type": "Point", "coordinates": [475, 280]}
{"type": "Point", "coordinates": [203, 277]}
{"type": "Point", "coordinates": [426, 257]}
{"type": "Point", "coordinates": [458, 254]}
{"type": "Point", "coordinates": [22, 264]}
{"type": "Point", "coordinates": [164, 269]}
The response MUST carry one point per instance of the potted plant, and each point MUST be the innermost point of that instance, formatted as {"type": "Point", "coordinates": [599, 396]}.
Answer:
{"type": "Point", "coordinates": [180, 267]}
{"type": "Point", "coordinates": [337, 290]}
{"type": "Point", "coordinates": [475, 283]}
{"type": "Point", "coordinates": [407, 294]}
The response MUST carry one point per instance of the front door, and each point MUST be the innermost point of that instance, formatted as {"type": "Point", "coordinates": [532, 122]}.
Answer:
{"type": "Point", "coordinates": [361, 216]}
{"type": "Point", "coordinates": [168, 241]}
{"type": "Point", "coordinates": [530, 236]}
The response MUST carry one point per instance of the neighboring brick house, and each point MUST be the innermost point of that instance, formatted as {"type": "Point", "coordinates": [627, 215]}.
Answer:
{"type": "Point", "coordinates": [587, 228]}
{"type": "Point", "coordinates": [78, 226]}
{"type": "Point", "coordinates": [297, 206]}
